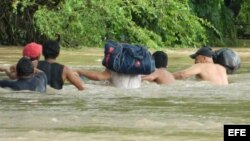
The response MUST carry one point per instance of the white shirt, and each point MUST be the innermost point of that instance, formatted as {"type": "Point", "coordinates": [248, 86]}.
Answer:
{"type": "Point", "coordinates": [125, 80]}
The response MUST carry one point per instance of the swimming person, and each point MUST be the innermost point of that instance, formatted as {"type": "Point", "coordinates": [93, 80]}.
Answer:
{"type": "Point", "coordinates": [57, 73]}
{"type": "Point", "coordinates": [160, 75]}
{"type": "Point", "coordinates": [28, 78]}
{"type": "Point", "coordinates": [204, 68]}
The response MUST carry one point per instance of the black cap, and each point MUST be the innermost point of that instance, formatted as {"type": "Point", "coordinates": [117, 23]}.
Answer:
{"type": "Point", "coordinates": [205, 51]}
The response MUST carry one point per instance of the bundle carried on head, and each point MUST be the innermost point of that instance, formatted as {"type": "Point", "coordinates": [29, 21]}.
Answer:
{"type": "Point", "coordinates": [128, 59]}
{"type": "Point", "coordinates": [227, 58]}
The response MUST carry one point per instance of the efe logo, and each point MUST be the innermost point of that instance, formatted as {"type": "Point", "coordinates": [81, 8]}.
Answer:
{"type": "Point", "coordinates": [237, 132]}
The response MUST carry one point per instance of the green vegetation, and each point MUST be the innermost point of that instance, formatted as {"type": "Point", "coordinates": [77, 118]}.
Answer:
{"type": "Point", "coordinates": [161, 23]}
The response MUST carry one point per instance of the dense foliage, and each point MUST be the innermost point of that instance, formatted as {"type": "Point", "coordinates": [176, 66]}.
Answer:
{"type": "Point", "coordinates": [155, 23]}
{"type": "Point", "coordinates": [243, 21]}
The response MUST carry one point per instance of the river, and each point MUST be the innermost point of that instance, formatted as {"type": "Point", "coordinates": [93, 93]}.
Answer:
{"type": "Point", "coordinates": [186, 110]}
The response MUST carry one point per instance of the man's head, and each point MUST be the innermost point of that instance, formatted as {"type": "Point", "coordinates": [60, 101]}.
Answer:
{"type": "Point", "coordinates": [204, 51]}
{"type": "Point", "coordinates": [51, 49]}
{"type": "Point", "coordinates": [32, 50]}
{"type": "Point", "coordinates": [24, 67]}
{"type": "Point", "coordinates": [161, 59]}
{"type": "Point", "coordinates": [203, 55]}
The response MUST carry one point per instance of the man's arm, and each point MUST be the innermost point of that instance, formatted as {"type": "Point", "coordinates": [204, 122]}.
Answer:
{"type": "Point", "coordinates": [151, 77]}
{"type": "Point", "coordinates": [73, 78]}
{"type": "Point", "coordinates": [193, 70]}
{"type": "Point", "coordinates": [10, 71]}
{"type": "Point", "coordinates": [94, 75]}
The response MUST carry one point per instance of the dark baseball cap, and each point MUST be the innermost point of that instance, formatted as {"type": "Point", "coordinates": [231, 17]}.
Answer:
{"type": "Point", "coordinates": [205, 51]}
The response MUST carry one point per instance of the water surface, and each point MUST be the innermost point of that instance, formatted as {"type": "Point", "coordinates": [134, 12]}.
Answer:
{"type": "Point", "coordinates": [186, 110]}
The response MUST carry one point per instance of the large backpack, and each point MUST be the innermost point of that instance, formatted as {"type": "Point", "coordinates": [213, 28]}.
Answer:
{"type": "Point", "coordinates": [227, 58]}
{"type": "Point", "coordinates": [128, 59]}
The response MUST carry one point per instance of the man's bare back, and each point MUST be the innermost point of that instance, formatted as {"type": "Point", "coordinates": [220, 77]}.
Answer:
{"type": "Point", "coordinates": [212, 72]}
{"type": "Point", "coordinates": [160, 76]}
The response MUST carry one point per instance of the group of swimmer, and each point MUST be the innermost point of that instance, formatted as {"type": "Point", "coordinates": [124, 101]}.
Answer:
{"type": "Point", "coordinates": [31, 73]}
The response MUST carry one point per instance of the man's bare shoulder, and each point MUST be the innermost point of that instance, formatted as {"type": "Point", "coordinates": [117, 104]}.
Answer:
{"type": "Point", "coordinates": [222, 68]}
{"type": "Point", "coordinates": [160, 71]}
{"type": "Point", "coordinates": [163, 72]}
{"type": "Point", "coordinates": [210, 65]}
{"type": "Point", "coordinates": [204, 65]}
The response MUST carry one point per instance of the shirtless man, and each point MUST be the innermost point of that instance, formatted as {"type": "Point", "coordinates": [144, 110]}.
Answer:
{"type": "Point", "coordinates": [160, 75]}
{"type": "Point", "coordinates": [204, 68]}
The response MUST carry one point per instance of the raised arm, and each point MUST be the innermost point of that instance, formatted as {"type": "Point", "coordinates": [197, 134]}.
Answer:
{"type": "Point", "coordinates": [10, 71]}
{"type": "Point", "coordinates": [95, 75]}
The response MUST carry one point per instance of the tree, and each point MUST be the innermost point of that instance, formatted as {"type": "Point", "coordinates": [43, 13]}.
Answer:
{"type": "Point", "coordinates": [155, 24]}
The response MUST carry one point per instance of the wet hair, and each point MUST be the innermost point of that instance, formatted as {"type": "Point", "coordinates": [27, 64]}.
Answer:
{"type": "Point", "coordinates": [161, 59]}
{"type": "Point", "coordinates": [24, 67]}
{"type": "Point", "coordinates": [51, 49]}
